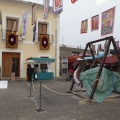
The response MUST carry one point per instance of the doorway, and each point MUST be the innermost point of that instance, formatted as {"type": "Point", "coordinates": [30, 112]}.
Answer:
{"type": "Point", "coordinates": [10, 63]}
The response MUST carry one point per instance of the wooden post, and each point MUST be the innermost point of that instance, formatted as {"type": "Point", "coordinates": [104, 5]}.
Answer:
{"type": "Point", "coordinates": [100, 70]}
{"type": "Point", "coordinates": [85, 50]}
{"type": "Point", "coordinates": [116, 51]}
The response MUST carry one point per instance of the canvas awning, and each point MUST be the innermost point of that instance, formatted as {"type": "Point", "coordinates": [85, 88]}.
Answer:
{"type": "Point", "coordinates": [42, 59]}
{"type": "Point", "coordinates": [96, 56]}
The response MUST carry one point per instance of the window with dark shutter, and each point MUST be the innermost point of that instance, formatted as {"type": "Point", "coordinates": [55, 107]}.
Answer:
{"type": "Point", "coordinates": [11, 23]}
{"type": "Point", "coordinates": [42, 29]}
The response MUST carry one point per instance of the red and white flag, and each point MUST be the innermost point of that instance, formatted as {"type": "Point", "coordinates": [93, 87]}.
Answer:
{"type": "Point", "coordinates": [46, 8]}
{"type": "Point", "coordinates": [57, 6]}
{"type": "Point", "coordinates": [73, 1]}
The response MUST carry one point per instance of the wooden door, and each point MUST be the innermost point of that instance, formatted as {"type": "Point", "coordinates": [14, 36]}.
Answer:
{"type": "Point", "coordinates": [6, 65]}
{"type": "Point", "coordinates": [10, 63]}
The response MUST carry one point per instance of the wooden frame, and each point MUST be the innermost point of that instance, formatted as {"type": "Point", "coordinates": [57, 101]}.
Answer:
{"type": "Point", "coordinates": [110, 40]}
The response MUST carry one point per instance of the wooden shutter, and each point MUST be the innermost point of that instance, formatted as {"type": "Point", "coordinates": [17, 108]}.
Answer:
{"type": "Point", "coordinates": [10, 24]}
{"type": "Point", "coordinates": [42, 29]}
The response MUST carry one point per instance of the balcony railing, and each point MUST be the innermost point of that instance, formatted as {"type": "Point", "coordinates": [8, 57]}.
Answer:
{"type": "Point", "coordinates": [51, 37]}
{"type": "Point", "coordinates": [4, 33]}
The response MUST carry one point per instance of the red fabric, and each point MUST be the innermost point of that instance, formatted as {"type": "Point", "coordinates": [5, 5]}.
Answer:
{"type": "Point", "coordinates": [111, 59]}
{"type": "Point", "coordinates": [70, 66]}
{"type": "Point", "coordinates": [86, 54]}
{"type": "Point", "coordinates": [73, 1]}
{"type": "Point", "coordinates": [71, 71]}
{"type": "Point", "coordinates": [73, 58]}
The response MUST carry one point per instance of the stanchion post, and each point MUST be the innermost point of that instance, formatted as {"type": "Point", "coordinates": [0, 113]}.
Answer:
{"type": "Point", "coordinates": [40, 109]}
{"type": "Point", "coordinates": [30, 89]}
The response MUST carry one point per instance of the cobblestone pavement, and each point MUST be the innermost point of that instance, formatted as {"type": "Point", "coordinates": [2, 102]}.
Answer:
{"type": "Point", "coordinates": [17, 102]}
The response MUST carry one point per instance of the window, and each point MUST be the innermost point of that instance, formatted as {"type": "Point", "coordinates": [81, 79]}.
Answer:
{"type": "Point", "coordinates": [12, 24]}
{"type": "Point", "coordinates": [43, 65]}
{"type": "Point", "coordinates": [42, 29]}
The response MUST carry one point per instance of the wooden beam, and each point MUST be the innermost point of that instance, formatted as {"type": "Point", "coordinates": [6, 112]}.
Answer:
{"type": "Point", "coordinates": [100, 70]}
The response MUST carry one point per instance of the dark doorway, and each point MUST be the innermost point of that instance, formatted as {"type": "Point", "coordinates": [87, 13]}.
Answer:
{"type": "Point", "coordinates": [15, 66]}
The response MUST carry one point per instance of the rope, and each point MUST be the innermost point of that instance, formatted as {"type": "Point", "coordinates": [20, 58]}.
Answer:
{"type": "Point", "coordinates": [62, 83]}
{"type": "Point", "coordinates": [99, 79]}
{"type": "Point", "coordinates": [73, 93]}
{"type": "Point", "coordinates": [34, 86]}
{"type": "Point", "coordinates": [56, 91]}
{"type": "Point", "coordinates": [48, 89]}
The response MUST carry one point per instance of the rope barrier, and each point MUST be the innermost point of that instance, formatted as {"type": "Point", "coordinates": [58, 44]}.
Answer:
{"type": "Point", "coordinates": [68, 82]}
{"type": "Point", "coordinates": [34, 86]}
{"type": "Point", "coordinates": [56, 91]}
{"type": "Point", "coordinates": [65, 94]}
{"type": "Point", "coordinates": [71, 92]}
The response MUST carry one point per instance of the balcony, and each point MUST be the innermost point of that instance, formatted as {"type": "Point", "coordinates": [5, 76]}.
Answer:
{"type": "Point", "coordinates": [4, 33]}
{"type": "Point", "coordinates": [37, 37]}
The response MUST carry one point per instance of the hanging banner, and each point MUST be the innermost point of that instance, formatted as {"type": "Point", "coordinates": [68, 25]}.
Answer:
{"type": "Point", "coordinates": [117, 44]}
{"type": "Point", "coordinates": [33, 14]}
{"type": "Point", "coordinates": [0, 18]}
{"type": "Point", "coordinates": [57, 6]}
{"type": "Point", "coordinates": [93, 48]}
{"type": "Point", "coordinates": [24, 24]}
{"type": "Point", "coordinates": [107, 22]}
{"type": "Point", "coordinates": [95, 22]}
{"type": "Point", "coordinates": [46, 8]}
{"type": "Point", "coordinates": [0, 24]}
{"type": "Point", "coordinates": [73, 1]}
{"type": "Point", "coordinates": [11, 40]}
{"type": "Point", "coordinates": [44, 42]}
{"type": "Point", "coordinates": [34, 32]}
{"type": "Point", "coordinates": [99, 47]}
{"type": "Point", "coordinates": [20, 30]}
{"type": "Point", "coordinates": [84, 26]}
{"type": "Point", "coordinates": [100, 2]}
{"type": "Point", "coordinates": [105, 46]}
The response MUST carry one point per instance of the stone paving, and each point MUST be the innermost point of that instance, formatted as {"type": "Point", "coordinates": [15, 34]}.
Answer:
{"type": "Point", "coordinates": [15, 103]}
